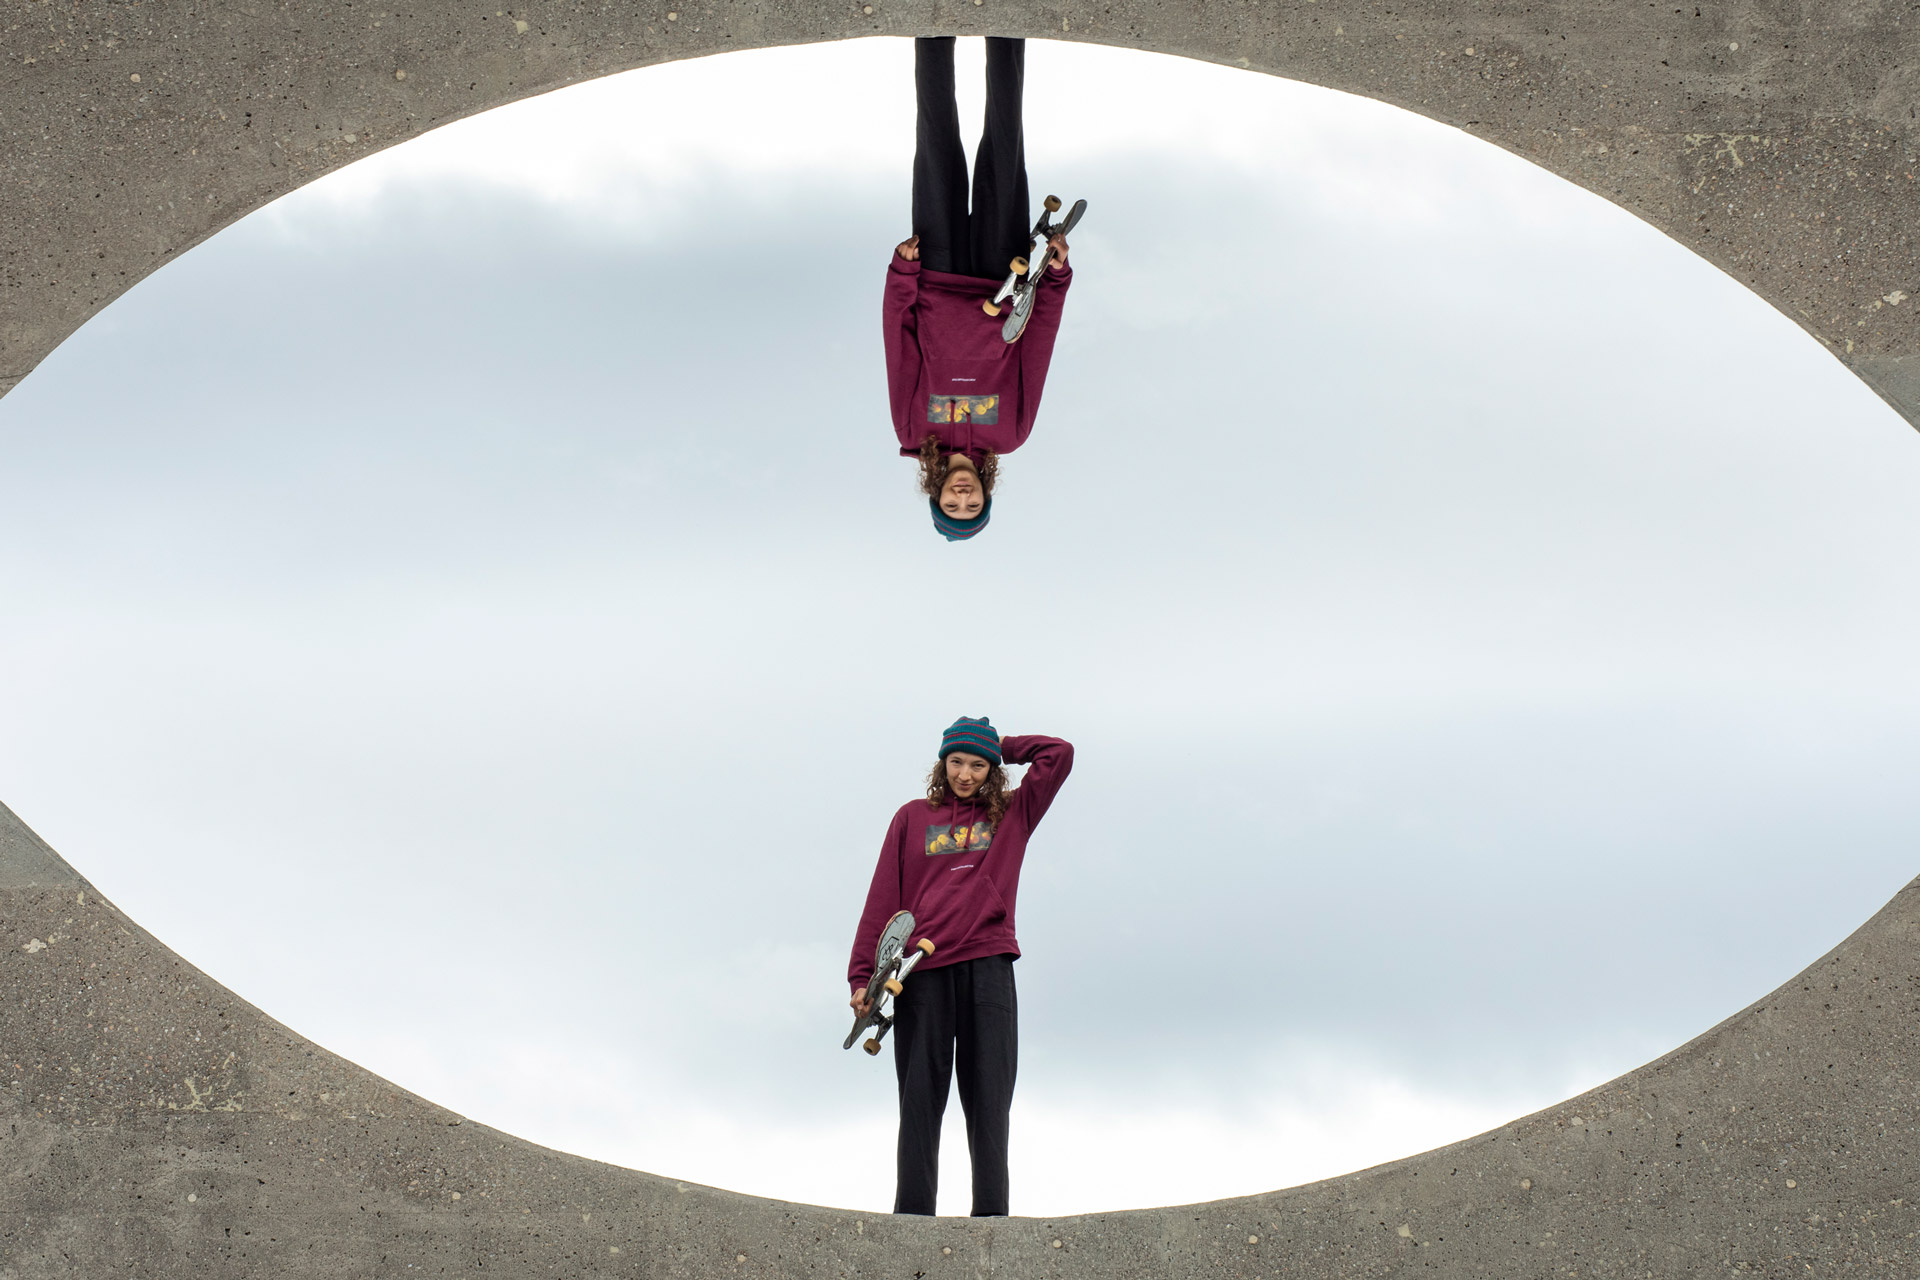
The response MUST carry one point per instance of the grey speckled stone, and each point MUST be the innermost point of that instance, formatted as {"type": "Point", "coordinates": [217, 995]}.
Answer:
{"type": "Point", "coordinates": [1776, 138]}
{"type": "Point", "coordinates": [25, 860]}
{"type": "Point", "coordinates": [153, 1124]}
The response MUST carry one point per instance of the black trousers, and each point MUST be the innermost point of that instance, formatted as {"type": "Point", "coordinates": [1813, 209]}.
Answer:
{"type": "Point", "coordinates": [950, 240]}
{"type": "Point", "coordinates": [962, 1015]}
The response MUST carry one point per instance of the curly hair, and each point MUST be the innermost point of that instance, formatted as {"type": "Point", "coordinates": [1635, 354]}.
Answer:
{"type": "Point", "coordinates": [933, 467]}
{"type": "Point", "coordinates": [993, 791]}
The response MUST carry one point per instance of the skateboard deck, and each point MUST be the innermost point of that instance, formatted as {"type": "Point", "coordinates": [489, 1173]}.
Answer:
{"type": "Point", "coordinates": [892, 962]}
{"type": "Point", "coordinates": [1023, 281]}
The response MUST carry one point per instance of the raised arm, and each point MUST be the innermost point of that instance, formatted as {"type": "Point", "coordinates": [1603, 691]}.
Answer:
{"type": "Point", "coordinates": [901, 332]}
{"type": "Point", "coordinates": [1036, 344]}
{"type": "Point", "coordinates": [1052, 761]}
{"type": "Point", "coordinates": [883, 899]}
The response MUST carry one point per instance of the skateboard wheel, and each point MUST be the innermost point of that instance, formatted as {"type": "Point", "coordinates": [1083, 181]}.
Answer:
{"type": "Point", "coordinates": [926, 945]}
{"type": "Point", "coordinates": [1019, 266]}
{"type": "Point", "coordinates": [893, 985]}
{"type": "Point", "coordinates": [1052, 203]}
{"type": "Point", "coordinates": [991, 307]}
{"type": "Point", "coordinates": [872, 1047]}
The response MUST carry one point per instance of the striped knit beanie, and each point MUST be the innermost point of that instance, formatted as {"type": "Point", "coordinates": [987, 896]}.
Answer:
{"type": "Point", "coordinates": [960, 530]}
{"type": "Point", "coordinates": [978, 737]}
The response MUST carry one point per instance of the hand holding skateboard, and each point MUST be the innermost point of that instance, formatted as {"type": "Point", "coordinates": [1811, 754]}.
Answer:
{"type": "Point", "coordinates": [909, 249]}
{"type": "Point", "coordinates": [892, 962]}
{"type": "Point", "coordinates": [1024, 278]}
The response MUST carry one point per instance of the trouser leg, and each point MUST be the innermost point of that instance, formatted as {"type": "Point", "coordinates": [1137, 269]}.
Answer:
{"type": "Point", "coordinates": [987, 1054]}
{"type": "Point", "coordinates": [939, 160]}
{"type": "Point", "coordinates": [923, 1037]}
{"type": "Point", "coordinates": [1001, 209]}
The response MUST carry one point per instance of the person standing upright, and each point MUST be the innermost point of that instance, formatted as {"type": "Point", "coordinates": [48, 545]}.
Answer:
{"type": "Point", "coordinates": [960, 395]}
{"type": "Point", "coordinates": [953, 859]}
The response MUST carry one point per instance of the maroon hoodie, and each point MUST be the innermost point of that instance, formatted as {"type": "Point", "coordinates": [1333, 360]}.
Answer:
{"type": "Point", "coordinates": [949, 371]}
{"type": "Point", "coordinates": [957, 875]}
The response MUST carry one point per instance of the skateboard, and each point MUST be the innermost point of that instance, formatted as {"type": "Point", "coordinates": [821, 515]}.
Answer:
{"type": "Point", "coordinates": [1023, 278]}
{"type": "Point", "coordinates": [890, 969]}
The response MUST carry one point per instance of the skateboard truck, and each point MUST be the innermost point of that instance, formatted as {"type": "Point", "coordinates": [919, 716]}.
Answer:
{"type": "Point", "coordinates": [892, 962]}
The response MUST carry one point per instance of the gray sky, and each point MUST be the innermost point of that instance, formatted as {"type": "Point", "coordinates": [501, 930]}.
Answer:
{"type": "Point", "coordinates": [472, 608]}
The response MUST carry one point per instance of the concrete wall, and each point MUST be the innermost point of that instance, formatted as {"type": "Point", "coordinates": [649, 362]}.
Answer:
{"type": "Point", "coordinates": [1776, 138]}
{"type": "Point", "coordinates": [152, 1124]}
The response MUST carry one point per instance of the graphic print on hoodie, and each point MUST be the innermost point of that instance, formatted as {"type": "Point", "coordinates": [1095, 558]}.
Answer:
{"type": "Point", "coordinates": [944, 837]}
{"type": "Point", "coordinates": [959, 876]}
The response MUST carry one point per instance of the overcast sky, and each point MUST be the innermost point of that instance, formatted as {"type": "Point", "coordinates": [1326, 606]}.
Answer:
{"type": "Point", "coordinates": [473, 609]}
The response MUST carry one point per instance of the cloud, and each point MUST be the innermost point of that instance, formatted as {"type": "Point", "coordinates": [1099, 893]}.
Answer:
{"type": "Point", "coordinates": [1076, 1150]}
{"type": "Point", "coordinates": [629, 150]}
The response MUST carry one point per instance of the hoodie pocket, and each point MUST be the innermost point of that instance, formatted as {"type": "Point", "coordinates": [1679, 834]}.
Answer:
{"type": "Point", "coordinates": [999, 914]}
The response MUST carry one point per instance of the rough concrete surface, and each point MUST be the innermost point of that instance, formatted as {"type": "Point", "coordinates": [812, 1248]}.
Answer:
{"type": "Point", "coordinates": [1776, 138]}
{"type": "Point", "coordinates": [152, 1124]}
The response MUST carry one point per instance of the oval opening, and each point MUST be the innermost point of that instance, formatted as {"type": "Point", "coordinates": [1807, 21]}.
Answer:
{"type": "Point", "coordinates": [472, 608]}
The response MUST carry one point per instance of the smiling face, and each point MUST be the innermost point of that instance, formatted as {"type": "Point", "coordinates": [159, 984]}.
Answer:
{"type": "Point", "coordinates": [962, 496]}
{"type": "Point", "coordinates": [966, 773]}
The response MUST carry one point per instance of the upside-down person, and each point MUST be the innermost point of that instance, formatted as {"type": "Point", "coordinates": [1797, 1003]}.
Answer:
{"type": "Point", "coordinates": [953, 860]}
{"type": "Point", "coordinates": [960, 395]}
